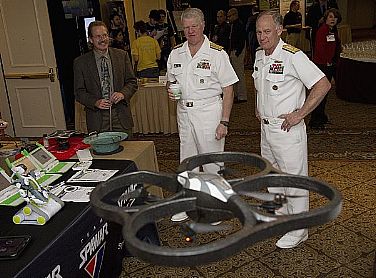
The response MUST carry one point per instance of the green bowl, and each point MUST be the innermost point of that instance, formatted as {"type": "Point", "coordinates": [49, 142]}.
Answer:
{"type": "Point", "coordinates": [105, 142]}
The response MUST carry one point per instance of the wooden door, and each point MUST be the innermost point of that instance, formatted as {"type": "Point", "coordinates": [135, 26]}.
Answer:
{"type": "Point", "coordinates": [29, 68]}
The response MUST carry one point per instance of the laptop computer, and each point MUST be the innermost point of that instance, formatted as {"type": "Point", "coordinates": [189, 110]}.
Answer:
{"type": "Point", "coordinates": [47, 162]}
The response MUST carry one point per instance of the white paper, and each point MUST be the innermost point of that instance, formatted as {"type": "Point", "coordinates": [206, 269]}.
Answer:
{"type": "Point", "coordinates": [92, 175]}
{"type": "Point", "coordinates": [84, 155]}
{"type": "Point", "coordinates": [73, 193]}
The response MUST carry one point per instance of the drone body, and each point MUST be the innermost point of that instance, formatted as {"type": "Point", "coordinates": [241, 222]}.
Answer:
{"type": "Point", "coordinates": [212, 193]}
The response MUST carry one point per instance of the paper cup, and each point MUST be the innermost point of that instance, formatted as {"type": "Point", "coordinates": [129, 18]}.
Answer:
{"type": "Point", "coordinates": [176, 90]}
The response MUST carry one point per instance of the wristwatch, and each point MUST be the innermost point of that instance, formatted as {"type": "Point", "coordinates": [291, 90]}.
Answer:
{"type": "Point", "coordinates": [225, 123]}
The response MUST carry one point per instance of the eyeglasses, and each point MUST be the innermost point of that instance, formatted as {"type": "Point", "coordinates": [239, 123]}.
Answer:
{"type": "Point", "coordinates": [194, 26]}
{"type": "Point", "coordinates": [98, 37]}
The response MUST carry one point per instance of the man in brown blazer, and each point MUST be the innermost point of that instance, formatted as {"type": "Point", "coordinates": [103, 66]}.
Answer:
{"type": "Point", "coordinates": [104, 83]}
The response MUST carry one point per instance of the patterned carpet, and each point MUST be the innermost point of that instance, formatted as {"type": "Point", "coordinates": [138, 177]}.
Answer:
{"type": "Point", "coordinates": [343, 155]}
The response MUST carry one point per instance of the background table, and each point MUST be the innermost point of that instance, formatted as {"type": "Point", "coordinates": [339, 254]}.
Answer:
{"type": "Point", "coordinates": [152, 111]}
{"type": "Point", "coordinates": [356, 80]}
{"type": "Point", "coordinates": [70, 242]}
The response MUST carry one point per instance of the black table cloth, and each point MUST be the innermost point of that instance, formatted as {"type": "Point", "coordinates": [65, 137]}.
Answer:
{"type": "Point", "coordinates": [356, 81]}
{"type": "Point", "coordinates": [74, 243]}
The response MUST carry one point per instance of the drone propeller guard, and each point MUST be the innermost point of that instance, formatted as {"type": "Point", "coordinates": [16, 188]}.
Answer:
{"type": "Point", "coordinates": [256, 225]}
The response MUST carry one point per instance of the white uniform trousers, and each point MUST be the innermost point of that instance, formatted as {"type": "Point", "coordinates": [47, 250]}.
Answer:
{"type": "Point", "coordinates": [197, 122]}
{"type": "Point", "coordinates": [287, 151]}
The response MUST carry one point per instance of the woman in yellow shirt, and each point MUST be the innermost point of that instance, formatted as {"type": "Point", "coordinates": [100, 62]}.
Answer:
{"type": "Point", "coordinates": [145, 52]}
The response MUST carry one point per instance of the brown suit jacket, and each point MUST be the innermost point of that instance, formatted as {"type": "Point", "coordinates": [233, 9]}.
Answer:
{"type": "Point", "coordinates": [87, 88]}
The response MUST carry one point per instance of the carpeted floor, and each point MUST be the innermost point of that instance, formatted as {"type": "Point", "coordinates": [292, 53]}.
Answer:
{"type": "Point", "coordinates": [343, 155]}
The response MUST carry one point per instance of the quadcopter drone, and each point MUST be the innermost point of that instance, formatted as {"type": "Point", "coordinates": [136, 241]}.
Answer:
{"type": "Point", "coordinates": [207, 199]}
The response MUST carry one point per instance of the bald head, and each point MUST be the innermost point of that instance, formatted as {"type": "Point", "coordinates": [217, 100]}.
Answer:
{"type": "Point", "coordinates": [232, 14]}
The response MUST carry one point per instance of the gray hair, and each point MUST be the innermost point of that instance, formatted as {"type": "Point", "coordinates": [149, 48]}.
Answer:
{"type": "Point", "coordinates": [276, 16]}
{"type": "Point", "coordinates": [193, 13]}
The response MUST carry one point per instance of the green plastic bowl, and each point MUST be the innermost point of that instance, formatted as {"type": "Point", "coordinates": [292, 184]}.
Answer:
{"type": "Point", "coordinates": [105, 142]}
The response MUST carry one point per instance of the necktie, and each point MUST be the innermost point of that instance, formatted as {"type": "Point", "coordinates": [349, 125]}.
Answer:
{"type": "Point", "coordinates": [105, 78]}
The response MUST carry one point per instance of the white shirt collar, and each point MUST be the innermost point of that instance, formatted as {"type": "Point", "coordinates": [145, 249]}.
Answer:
{"type": "Point", "coordinates": [204, 47]}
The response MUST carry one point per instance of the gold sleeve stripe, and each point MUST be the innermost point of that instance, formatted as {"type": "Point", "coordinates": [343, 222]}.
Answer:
{"type": "Point", "coordinates": [215, 46]}
{"type": "Point", "coordinates": [290, 48]}
{"type": "Point", "coordinates": [178, 46]}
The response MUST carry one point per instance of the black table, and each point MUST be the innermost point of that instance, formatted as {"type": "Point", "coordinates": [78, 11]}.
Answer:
{"type": "Point", "coordinates": [74, 243]}
{"type": "Point", "coordinates": [355, 81]}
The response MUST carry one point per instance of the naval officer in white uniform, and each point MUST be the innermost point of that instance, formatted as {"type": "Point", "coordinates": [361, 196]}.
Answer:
{"type": "Point", "coordinates": [281, 75]}
{"type": "Point", "coordinates": [204, 71]}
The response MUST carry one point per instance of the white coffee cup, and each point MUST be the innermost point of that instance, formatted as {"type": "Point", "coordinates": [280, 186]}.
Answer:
{"type": "Point", "coordinates": [176, 90]}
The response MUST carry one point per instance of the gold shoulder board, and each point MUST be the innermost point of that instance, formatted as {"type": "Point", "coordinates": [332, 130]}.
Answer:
{"type": "Point", "coordinates": [290, 48]}
{"type": "Point", "coordinates": [178, 46]}
{"type": "Point", "coordinates": [215, 46]}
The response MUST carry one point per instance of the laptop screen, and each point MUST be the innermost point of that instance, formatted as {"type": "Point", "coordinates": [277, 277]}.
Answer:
{"type": "Point", "coordinates": [42, 157]}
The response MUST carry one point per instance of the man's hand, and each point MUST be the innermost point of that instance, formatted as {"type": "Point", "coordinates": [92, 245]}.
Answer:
{"type": "Point", "coordinates": [103, 103]}
{"type": "Point", "coordinates": [3, 124]}
{"type": "Point", "coordinates": [221, 132]}
{"type": "Point", "coordinates": [171, 95]}
{"type": "Point", "coordinates": [116, 97]}
{"type": "Point", "coordinates": [291, 119]}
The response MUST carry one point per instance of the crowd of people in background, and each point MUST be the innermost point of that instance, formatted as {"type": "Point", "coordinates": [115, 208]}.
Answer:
{"type": "Point", "coordinates": [157, 28]}
{"type": "Point", "coordinates": [236, 35]}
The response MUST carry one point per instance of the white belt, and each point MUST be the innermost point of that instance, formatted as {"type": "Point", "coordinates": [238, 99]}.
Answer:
{"type": "Point", "coordinates": [198, 102]}
{"type": "Point", "coordinates": [267, 121]}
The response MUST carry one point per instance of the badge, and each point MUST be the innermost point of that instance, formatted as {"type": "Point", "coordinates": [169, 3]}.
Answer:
{"type": "Point", "coordinates": [177, 65]}
{"type": "Point", "coordinates": [275, 87]}
{"type": "Point", "coordinates": [330, 38]}
{"type": "Point", "coordinates": [276, 68]}
{"type": "Point", "coordinates": [203, 65]}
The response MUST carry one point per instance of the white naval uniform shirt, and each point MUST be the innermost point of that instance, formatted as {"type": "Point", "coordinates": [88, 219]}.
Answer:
{"type": "Point", "coordinates": [280, 80]}
{"type": "Point", "coordinates": [202, 76]}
